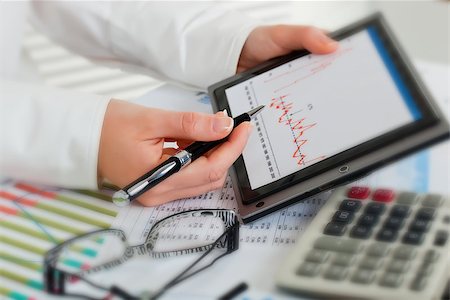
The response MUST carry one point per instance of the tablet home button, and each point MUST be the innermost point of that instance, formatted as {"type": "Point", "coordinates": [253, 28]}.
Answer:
{"type": "Point", "coordinates": [343, 169]}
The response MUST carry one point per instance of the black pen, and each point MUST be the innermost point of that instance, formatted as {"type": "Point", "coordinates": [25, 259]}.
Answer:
{"type": "Point", "coordinates": [173, 164]}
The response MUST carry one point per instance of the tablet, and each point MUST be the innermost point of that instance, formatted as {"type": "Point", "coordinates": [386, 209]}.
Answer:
{"type": "Point", "coordinates": [328, 119]}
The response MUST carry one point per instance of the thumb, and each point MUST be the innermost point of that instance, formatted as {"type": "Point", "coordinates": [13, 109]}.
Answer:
{"type": "Point", "coordinates": [191, 125]}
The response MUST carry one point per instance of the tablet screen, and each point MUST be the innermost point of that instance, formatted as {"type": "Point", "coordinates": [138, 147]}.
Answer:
{"type": "Point", "coordinates": [317, 106]}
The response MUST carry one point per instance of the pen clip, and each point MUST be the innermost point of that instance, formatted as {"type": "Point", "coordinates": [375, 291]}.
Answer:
{"type": "Point", "coordinates": [157, 174]}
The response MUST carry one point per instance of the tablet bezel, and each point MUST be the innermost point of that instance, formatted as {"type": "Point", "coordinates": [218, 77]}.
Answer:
{"type": "Point", "coordinates": [421, 99]}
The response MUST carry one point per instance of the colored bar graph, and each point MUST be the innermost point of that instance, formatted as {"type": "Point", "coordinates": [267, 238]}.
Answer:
{"type": "Point", "coordinates": [42, 220]}
{"type": "Point", "coordinates": [21, 262]}
{"type": "Point", "coordinates": [32, 283]}
{"type": "Point", "coordinates": [14, 294]}
{"type": "Point", "coordinates": [53, 209]}
{"type": "Point", "coordinates": [43, 236]}
{"type": "Point", "coordinates": [31, 216]}
{"type": "Point", "coordinates": [66, 199]}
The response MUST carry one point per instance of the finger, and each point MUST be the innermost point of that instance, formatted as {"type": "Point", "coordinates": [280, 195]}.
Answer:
{"type": "Point", "coordinates": [188, 142]}
{"type": "Point", "coordinates": [216, 163]}
{"type": "Point", "coordinates": [294, 37]}
{"type": "Point", "coordinates": [189, 125]}
{"type": "Point", "coordinates": [208, 169]}
{"type": "Point", "coordinates": [153, 198]}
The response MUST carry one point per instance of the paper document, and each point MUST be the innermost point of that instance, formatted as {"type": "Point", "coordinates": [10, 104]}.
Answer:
{"type": "Point", "coordinates": [34, 219]}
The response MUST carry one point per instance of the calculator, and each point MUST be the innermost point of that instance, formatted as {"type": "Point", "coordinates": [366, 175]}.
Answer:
{"type": "Point", "coordinates": [369, 243]}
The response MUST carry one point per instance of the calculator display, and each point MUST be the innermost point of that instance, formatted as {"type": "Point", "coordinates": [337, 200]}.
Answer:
{"type": "Point", "coordinates": [317, 106]}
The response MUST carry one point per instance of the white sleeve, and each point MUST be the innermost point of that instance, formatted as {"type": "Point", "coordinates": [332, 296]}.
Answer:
{"type": "Point", "coordinates": [50, 135]}
{"type": "Point", "coordinates": [198, 44]}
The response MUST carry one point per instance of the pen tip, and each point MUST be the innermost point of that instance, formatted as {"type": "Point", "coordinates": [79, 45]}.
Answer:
{"type": "Point", "coordinates": [255, 111]}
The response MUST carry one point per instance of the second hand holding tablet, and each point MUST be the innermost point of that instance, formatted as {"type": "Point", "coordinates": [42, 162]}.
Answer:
{"type": "Point", "coordinates": [173, 164]}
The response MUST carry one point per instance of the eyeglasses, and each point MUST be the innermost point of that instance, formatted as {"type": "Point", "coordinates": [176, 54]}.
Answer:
{"type": "Point", "coordinates": [211, 233]}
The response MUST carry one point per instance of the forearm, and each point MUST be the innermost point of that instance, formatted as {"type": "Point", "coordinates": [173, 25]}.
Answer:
{"type": "Point", "coordinates": [50, 135]}
{"type": "Point", "coordinates": [196, 44]}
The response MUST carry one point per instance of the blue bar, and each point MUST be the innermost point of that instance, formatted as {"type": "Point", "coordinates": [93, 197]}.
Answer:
{"type": "Point", "coordinates": [394, 73]}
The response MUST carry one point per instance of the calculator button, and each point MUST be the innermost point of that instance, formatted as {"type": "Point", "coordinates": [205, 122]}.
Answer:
{"type": "Point", "coordinates": [431, 256]}
{"type": "Point", "coordinates": [387, 235]}
{"type": "Point", "coordinates": [368, 220]}
{"type": "Point", "coordinates": [309, 269]}
{"type": "Point", "coordinates": [426, 213]}
{"type": "Point", "coordinates": [383, 195]}
{"type": "Point", "coordinates": [371, 262]}
{"type": "Point", "coordinates": [405, 252]}
{"type": "Point", "coordinates": [343, 216]}
{"type": "Point", "coordinates": [432, 200]}
{"type": "Point", "coordinates": [317, 256]}
{"type": "Point", "coordinates": [391, 279]}
{"type": "Point", "coordinates": [398, 266]}
{"type": "Point", "coordinates": [441, 238]}
{"type": "Point", "coordinates": [419, 283]}
{"type": "Point", "coordinates": [407, 198]}
{"type": "Point", "coordinates": [378, 249]}
{"type": "Point", "coordinates": [358, 192]}
{"type": "Point", "coordinates": [343, 259]}
{"type": "Point", "coordinates": [336, 272]}
{"type": "Point", "coordinates": [446, 219]}
{"type": "Point", "coordinates": [419, 225]}
{"type": "Point", "coordinates": [335, 228]}
{"type": "Point", "coordinates": [394, 223]}
{"type": "Point", "coordinates": [413, 238]}
{"type": "Point", "coordinates": [338, 244]}
{"type": "Point", "coordinates": [361, 232]}
{"type": "Point", "coordinates": [375, 208]}
{"type": "Point", "coordinates": [364, 276]}
{"type": "Point", "coordinates": [350, 205]}
{"type": "Point", "coordinates": [401, 211]}
{"type": "Point", "coordinates": [425, 269]}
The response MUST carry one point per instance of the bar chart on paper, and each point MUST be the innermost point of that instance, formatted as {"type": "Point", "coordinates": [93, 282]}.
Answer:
{"type": "Point", "coordinates": [33, 219]}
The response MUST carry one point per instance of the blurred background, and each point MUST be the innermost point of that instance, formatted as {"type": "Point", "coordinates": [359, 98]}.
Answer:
{"type": "Point", "coordinates": [422, 28]}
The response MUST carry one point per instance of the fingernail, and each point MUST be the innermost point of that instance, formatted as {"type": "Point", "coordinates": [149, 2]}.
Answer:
{"type": "Point", "coordinates": [250, 129]}
{"type": "Point", "coordinates": [225, 113]}
{"type": "Point", "coordinates": [222, 124]}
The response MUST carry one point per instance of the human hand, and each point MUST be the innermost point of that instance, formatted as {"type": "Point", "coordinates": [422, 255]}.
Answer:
{"type": "Point", "coordinates": [267, 42]}
{"type": "Point", "coordinates": [132, 142]}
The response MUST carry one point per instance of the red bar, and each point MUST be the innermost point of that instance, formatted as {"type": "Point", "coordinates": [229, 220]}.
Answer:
{"type": "Point", "coordinates": [358, 192]}
{"type": "Point", "coordinates": [16, 198]}
{"type": "Point", "coordinates": [35, 190]}
{"type": "Point", "coordinates": [383, 195]}
{"type": "Point", "coordinates": [8, 210]}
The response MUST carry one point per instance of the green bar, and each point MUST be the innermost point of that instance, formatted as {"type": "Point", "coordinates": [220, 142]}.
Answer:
{"type": "Point", "coordinates": [90, 206]}
{"type": "Point", "coordinates": [18, 296]}
{"type": "Point", "coordinates": [34, 233]}
{"type": "Point", "coordinates": [22, 245]}
{"type": "Point", "coordinates": [72, 263]}
{"type": "Point", "coordinates": [12, 294]}
{"type": "Point", "coordinates": [21, 279]}
{"type": "Point", "coordinates": [42, 236]}
{"type": "Point", "coordinates": [71, 215]}
{"type": "Point", "coordinates": [95, 194]}
{"type": "Point", "coordinates": [53, 224]}
{"type": "Point", "coordinates": [89, 252]}
{"type": "Point", "coordinates": [21, 262]}
{"type": "Point", "coordinates": [34, 249]}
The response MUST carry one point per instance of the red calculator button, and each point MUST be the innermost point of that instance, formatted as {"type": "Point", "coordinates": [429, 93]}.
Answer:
{"type": "Point", "coordinates": [383, 195]}
{"type": "Point", "coordinates": [358, 192]}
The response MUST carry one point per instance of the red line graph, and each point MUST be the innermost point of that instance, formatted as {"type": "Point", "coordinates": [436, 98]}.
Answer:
{"type": "Point", "coordinates": [298, 127]}
{"type": "Point", "coordinates": [316, 66]}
